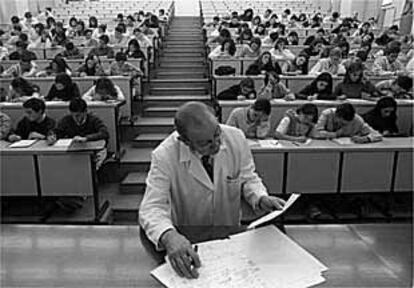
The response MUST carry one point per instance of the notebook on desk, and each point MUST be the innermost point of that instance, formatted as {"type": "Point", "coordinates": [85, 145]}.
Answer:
{"type": "Point", "coordinates": [22, 144]}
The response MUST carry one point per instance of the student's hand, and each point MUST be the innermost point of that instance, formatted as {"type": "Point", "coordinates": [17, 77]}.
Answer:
{"type": "Point", "coordinates": [290, 97]}
{"type": "Point", "coordinates": [79, 139]}
{"type": "Point", "coordinates": [341, 97]}
{"type": "Point", "coordinates": [83, 74]}
{"type": "Point", "coordinates": [269, 203]}
{"type": "Point", "coordinates": [35, 135]}
{"type": "Point", "coordinates": [241, 97]}
{"type": "Point", "coordinates": [14, 138]}
{"type": "Point", "coordinates": [301, 139]}
{"type": "Point", "coordinates": [360, 139]}
{"type": "Point", "coordinates": [366, 96]}
{"type": "Point", "coordinates": [51, 139]}
{"type": "Point", "coordinates": [330, 135]}
{"type": "Point", "coordinates": [313, 97]}
{"type": "Point", "coordinates": [181, 254]}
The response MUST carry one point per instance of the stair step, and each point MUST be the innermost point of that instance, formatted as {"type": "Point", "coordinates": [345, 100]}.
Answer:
{"type": "Point", "coordinates": [179, 59]}
{"type": "Point", "coordinates": [180, 83]}
{"type": "Point", "coordinates": [135, 159]}
{"type": "Point", "coordinates": [170, 91]}
{"type": "Point", "coordinates": [149, 139]}
{"type": "Point", "coordinates": [181, 68]}
{"type": "Point", "coordinates": [134, 183]}
{"type": "Point", "coordinates": [185, 54]}
{"type": "Point", "coordinates": [179, 75]}
{"type": "Point", "coordinates": [160, 111]}
{"type": "Point", "coordinates": [180, 65]}
{"type": "Point", "coordinates": [125, 208]}
{"type": "Point", "coordinates": [153, 124]}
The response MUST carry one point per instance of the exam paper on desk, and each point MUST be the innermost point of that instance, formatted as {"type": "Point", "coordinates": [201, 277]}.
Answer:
{"type": "Point", "coordinates": [22, 144]}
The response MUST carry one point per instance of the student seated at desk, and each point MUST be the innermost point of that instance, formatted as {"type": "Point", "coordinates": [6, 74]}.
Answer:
{"type": "Point", "coordinates": [104, 90]}
{"type": "Point", "coordinates": [5, 125]}
{"type": "Point", "coordinates": [399, 88]}
{"type": "Point", "coordinates": [342, 121]}
{"type": "Point", "coordinates": [103, 49]}
{"type": "Point", "coordinates": [89, 41]}
{"type": "Point", "coordinates": [252, 50]}
{"type": "Point", "coordinates": [122, 68]}
{"type": "Point", "coordinates": [64, 89]}
{"type": "Point", "coordinates": [297, 66]}
{"type": "Point", "coordinates": [297, 125]}
{"type": "Point", "coordinates": [388, 65]}
{"type": "Point", "coordinates": [21, 90]}
{"type": "Point", "coordinates": [134, 50]}
{"type": "Point", "coordinates": [26, 67]}
{"type": "Point", "coordinates": [273, 88]}
{"type": "Point", "coordinates": [355, 85]}
{"type": "Point", "coordinates": [265, 63]}
{"type": "Point", "coordinates": [35, 124]}
{"type": "Point", "coordinates": [383, 117]}
{"type": "Point", "coordinates": [82, 126]}
{"type": "Point", "coordinates": [244, 90]}
{"type": "Point", "coordinates": [225, 50]}
{"type": "Point", "coordinates": [280, 52]}
{"type": "Point", "coordinates": [91, 67]}
{"type": "Point", "coordinates": [332, 64]}
{"type": "Point", "coordinates": [71, 52]}
{"type": "Point", "coordinates": [319, 89]}
{"type": "Point", "coordinates": [252, 120]}
{"type": "Point", "coordinates": [21, 49]}
{"type": "Point", "coordinates": [56, 66]}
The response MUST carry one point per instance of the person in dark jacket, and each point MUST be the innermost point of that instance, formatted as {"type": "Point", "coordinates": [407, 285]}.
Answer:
{"type": "Point", "coordinates": [320, 88]}
{"type": "Point", "coordinates": [265, 63]}
{"type": "Point", "coordinates": [383, 116]}
{"type": "Point", "coordinates": [244, 90]}
{"type": "Point", "coordinates": [35, 124]}
{"type": "Point", "coordinates": [64, 89]}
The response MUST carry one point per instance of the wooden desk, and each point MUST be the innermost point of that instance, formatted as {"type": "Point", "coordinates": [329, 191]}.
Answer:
{"type": "Point", "coordinates": [327, 167]}
{"type": "Point", "coordinates": [52, 171]}
{"type": "Point", "coordinates": [84, 83]}
{"type": "Point", "coordinates": [363, 255]}
{"type": "Point", "coordinates": [405, 111]}
{"type": "Point", "coordinates": [107, 112]}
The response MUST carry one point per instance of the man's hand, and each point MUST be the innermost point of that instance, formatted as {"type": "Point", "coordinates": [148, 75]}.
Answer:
{"type": "Point", "coordinates": [80, 139]}
{"type": "Point", "coordinates": [313, 97]}
{"type": "Point", "coordinates": [341, 97]}
{"type": "Point", "coordinates": [269, 203]}
{"type": "Point", "coordinates": [360, 139]}
{"type": "Point", "coordinates": [14, 138]}
{"type": "Point", "coordinates": [181, 254]}
{"type": "Point", "coordinates": [35, 135]}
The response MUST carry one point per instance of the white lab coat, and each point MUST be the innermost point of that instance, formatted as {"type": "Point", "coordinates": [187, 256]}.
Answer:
{"type": "Point", "coordinates": [180, 193]}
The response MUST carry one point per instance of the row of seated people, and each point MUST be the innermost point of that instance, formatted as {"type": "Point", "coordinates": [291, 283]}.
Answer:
{"type": "Point", "coordinates": [79, 125]}
{"type": "Point", "coordinates": [353, 86]}
{"type": "Point", "coordinates": [63, 89]}
{"type": "Point", "coordinates": [50, 33]}
{"type": "Point", "coordinates": [333, 59]}
{"type": "Point", "coordinates": [91, 66]}
{"type": "Point", "coordinates": [300, 124]}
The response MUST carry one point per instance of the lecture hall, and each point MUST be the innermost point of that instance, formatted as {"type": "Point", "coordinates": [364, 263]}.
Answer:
{"type": "Point", "coordinates": [206, 143]}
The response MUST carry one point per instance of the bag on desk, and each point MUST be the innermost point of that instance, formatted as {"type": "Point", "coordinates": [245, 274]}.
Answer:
{"type": "Point", "coordinates": [225, 70]}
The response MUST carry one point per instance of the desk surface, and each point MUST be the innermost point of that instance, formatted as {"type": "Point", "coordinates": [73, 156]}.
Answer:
{"type": "Point", "coordinates": [363, 255]}
{"type": "Point", "coordinates": [41, 147]}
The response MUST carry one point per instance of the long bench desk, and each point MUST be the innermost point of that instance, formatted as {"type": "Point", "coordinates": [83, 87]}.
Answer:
{"type": "Point", "coordinates": [405, 109]}
{"type": "Point", "coordinates": [84, 84]}
{"type": "Point", "coordinates": [362, 255]}
{"type": "Point", "coordinates": [107, 112]}
{"type": "Point", "coordinates": [324, 166]}
{"type": "Point", "coordinates": [42, 170]}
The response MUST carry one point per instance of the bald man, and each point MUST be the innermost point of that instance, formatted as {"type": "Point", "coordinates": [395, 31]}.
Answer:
{"type": "Point", "coordinates": [197, 178]}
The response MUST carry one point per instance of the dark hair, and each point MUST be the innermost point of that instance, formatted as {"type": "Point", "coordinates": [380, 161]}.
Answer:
{"type": "Point", "coordinates": [385, 102]}
{"type": "Point", "coordinates": [36, 104]}
{"type": "Point", "coordinates": [390, 49]}
{"type": "Point", "coordinates": [287, 11]}
{"type": "Point", "coordinates": [26, 57]}
{"type": "Point", "coordinates": [87, 31]}
{"type": "Point", "coordinates": [64, 79]}
{"type": "Point", "coordinates": [119, 29]}
{"type": "Point", "coordinates": [104, 38]}
{"type": "Point", "coordinates": [309, 109]}
{"type": "Point", "coordinates": [344, 44]}
{"type": "Point", "coordinates": [354, 67]}
{"type": "Point", "coordinates": [256, 40]}
{"type": "Point", "coordinates": [15, 20]}
{"type": "Point", "coordinates": [134, 42]}
{"type": "Point", "coordinates": [257, 17]}
{"type": "Point", "coordinates": [393, 27]}
{"type": "Point", "coordinates": [62, 66]}
{"type": "Point", "coordinates": [261, 33]}
{"type": "Point", "coordinates": [225, 33]}
{"type": "Point", "coordinates": [274, 36]}
{"type": "Point", "coordinates": [232, 48]}
{"type": "Point", "coordinates": [25, 86]}
{"type": "Point", "coordinates": [345, 111]}
{"type": "Point", "coordinates": [105, 85]}
{"type": "Point", "coordinates": [102, 27]}
{"type": "Point", "coordinates": [405, 82]}
{"type": "Point", "coordinates": [321, 30]}
{"type": "Point", "coordinates": [72, 19]}
{"type": "Point", "coordinates": [120, 56]}
{"type": "Point", "coordinates": [93, 22]}
{"type": "Point", "coordinates": [326, 77]}
{"type": "Point", "coordinates": [262, 105]}
{"type": "Point", "coordinates": [216, 18]}
{"type": "Point", "coordinates": [21, 44]}
{"type": "Point", "coordinates": [281, 40]}
{"type": "Point", "coordinates": [247, 82]}
{"type": "Point", "coordinates": [69, 45]}
{"type": "Point", "coordinates": [77, 105]}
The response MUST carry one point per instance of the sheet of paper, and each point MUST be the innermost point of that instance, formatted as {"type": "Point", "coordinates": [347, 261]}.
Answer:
{"type": "Point", "coordinates": [63, 143]}
{"type": "Point", "coordinates": [268, 143]}
{"type": "Point", "coordinates": [274, 214]}
{"type": "Point", "coordinates": [22, 143]}
{"type": "Point", "coordinates": [253, 142]}
{"type": "Point", "coordinates": [343, 141]}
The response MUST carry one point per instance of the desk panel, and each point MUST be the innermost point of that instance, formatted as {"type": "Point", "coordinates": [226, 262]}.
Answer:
{"type": "Point", "coordinates": [66, 174]}
{"type": "Point", "coordinates": [18, 175]}
{"type": "Point", "coordinates": [404, 173]}
{"type": "Point", "coordinates": [312, 172]}
{"type": "Point", "coordinates": [367, 171]}
{"type": "Point", "coordinates": [269, 165]}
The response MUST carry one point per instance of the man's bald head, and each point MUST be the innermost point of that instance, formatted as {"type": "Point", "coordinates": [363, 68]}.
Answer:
{"type": "Point", "coordinates": [194, 116]}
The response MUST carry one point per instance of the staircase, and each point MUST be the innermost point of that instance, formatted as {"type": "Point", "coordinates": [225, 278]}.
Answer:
{"type": "Point", "coordinates": [181, 76]}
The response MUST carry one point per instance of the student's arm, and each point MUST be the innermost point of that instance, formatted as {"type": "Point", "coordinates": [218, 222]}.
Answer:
{"type": "Point", "coordinates": [341, 70]}
{"type": "Point", "coordinates": [5, 125]}
{"type": "Point", "coordinates": [338, 92]}
{"type": "Point", "coordinates": [215, 53]}
{"type": "Point", "coordinates": [263, 129]}
{"type": "Point", "coordinates": [304, 93]}
{"type": "Point", "coordinates": [282, 129]}
{"type": "Point", "coordinates": [377, 68]}
{"type": "Point", "coordinates": [120, 94]}
{"type": "Point", "coordinates": [366, 133]}
{"type": "Point", "coordinates": [88, 96]}
{"type": "Point", "coordinates": [50, 95]}
{"type": "Point", "coordinates": [101, 131]}
{"type": "Point", "coordinates": [316, 70]}
{"type": "Point", "coordinates": [33, 70]}
{"type": "Point", "coordinates": [287, 94]}
{"type": "Point", "coordinates": [232, 120]}
{"type": "Point", "coordinates": [320, 128]}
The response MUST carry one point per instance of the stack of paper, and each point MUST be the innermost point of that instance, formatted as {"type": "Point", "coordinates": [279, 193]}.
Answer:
{"type": "Point", "coordinates": [343, 141]}
{"type": "Point", "coordinates": [22, 144]}
{"type": "Point", "coordinates": [64, 143]}
{"type": "Point", "coordinates": [257, 258]}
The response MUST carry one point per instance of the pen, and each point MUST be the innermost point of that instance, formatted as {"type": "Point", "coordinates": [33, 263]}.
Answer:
{"type": "Point", "coordinates": [295, 143]}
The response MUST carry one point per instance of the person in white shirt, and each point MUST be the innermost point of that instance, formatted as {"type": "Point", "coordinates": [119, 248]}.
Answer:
{"type": "Point", "coordinates": [198, 177]}
{"type": "Point", "coordinates": [280, 53]}
{"type": "Point", "coordinates": [118, 38]}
